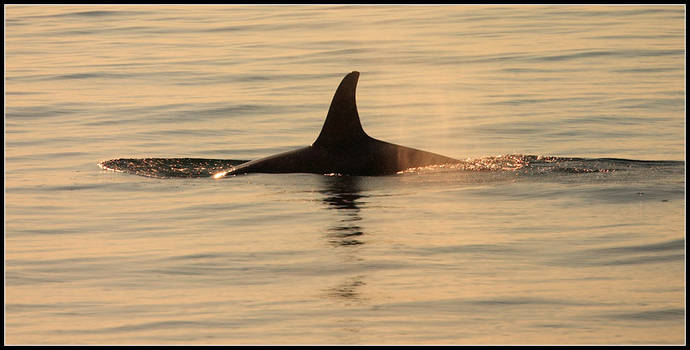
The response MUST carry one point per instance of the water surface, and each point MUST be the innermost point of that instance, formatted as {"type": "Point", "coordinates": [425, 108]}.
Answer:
{"type": "Point", "coordinates": [563, 225]}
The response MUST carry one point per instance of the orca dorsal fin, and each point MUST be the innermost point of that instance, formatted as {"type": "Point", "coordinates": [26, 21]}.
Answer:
{"type": "Point", "coordinates": [342, 125]}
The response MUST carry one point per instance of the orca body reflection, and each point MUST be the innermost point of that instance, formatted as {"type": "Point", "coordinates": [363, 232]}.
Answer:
{"type": "Point", "coordinates": [343, 193]}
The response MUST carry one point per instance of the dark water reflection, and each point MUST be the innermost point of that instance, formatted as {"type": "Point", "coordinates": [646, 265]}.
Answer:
{"type": "Point", "coordinates": [343, 193]}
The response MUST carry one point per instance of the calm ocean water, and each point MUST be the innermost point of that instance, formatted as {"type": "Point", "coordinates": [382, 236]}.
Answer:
{"type": "Point", "coordinates": [564, 225]}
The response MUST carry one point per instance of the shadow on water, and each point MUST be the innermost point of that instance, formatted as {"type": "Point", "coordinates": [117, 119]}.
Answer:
{"type": "Point", "coordinates": [343, 193]}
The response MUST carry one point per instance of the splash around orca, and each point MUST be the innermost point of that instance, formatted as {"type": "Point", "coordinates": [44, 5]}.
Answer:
{"type": "Point", "coordinates": [343, 147]}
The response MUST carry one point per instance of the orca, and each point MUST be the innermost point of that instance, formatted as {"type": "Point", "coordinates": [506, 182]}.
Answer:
{"type": "Point", "coordinates": [343, 147]}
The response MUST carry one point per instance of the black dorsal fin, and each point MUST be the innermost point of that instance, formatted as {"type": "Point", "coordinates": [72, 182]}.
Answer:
{"type": "Point", "coordinates": [342, 125]}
